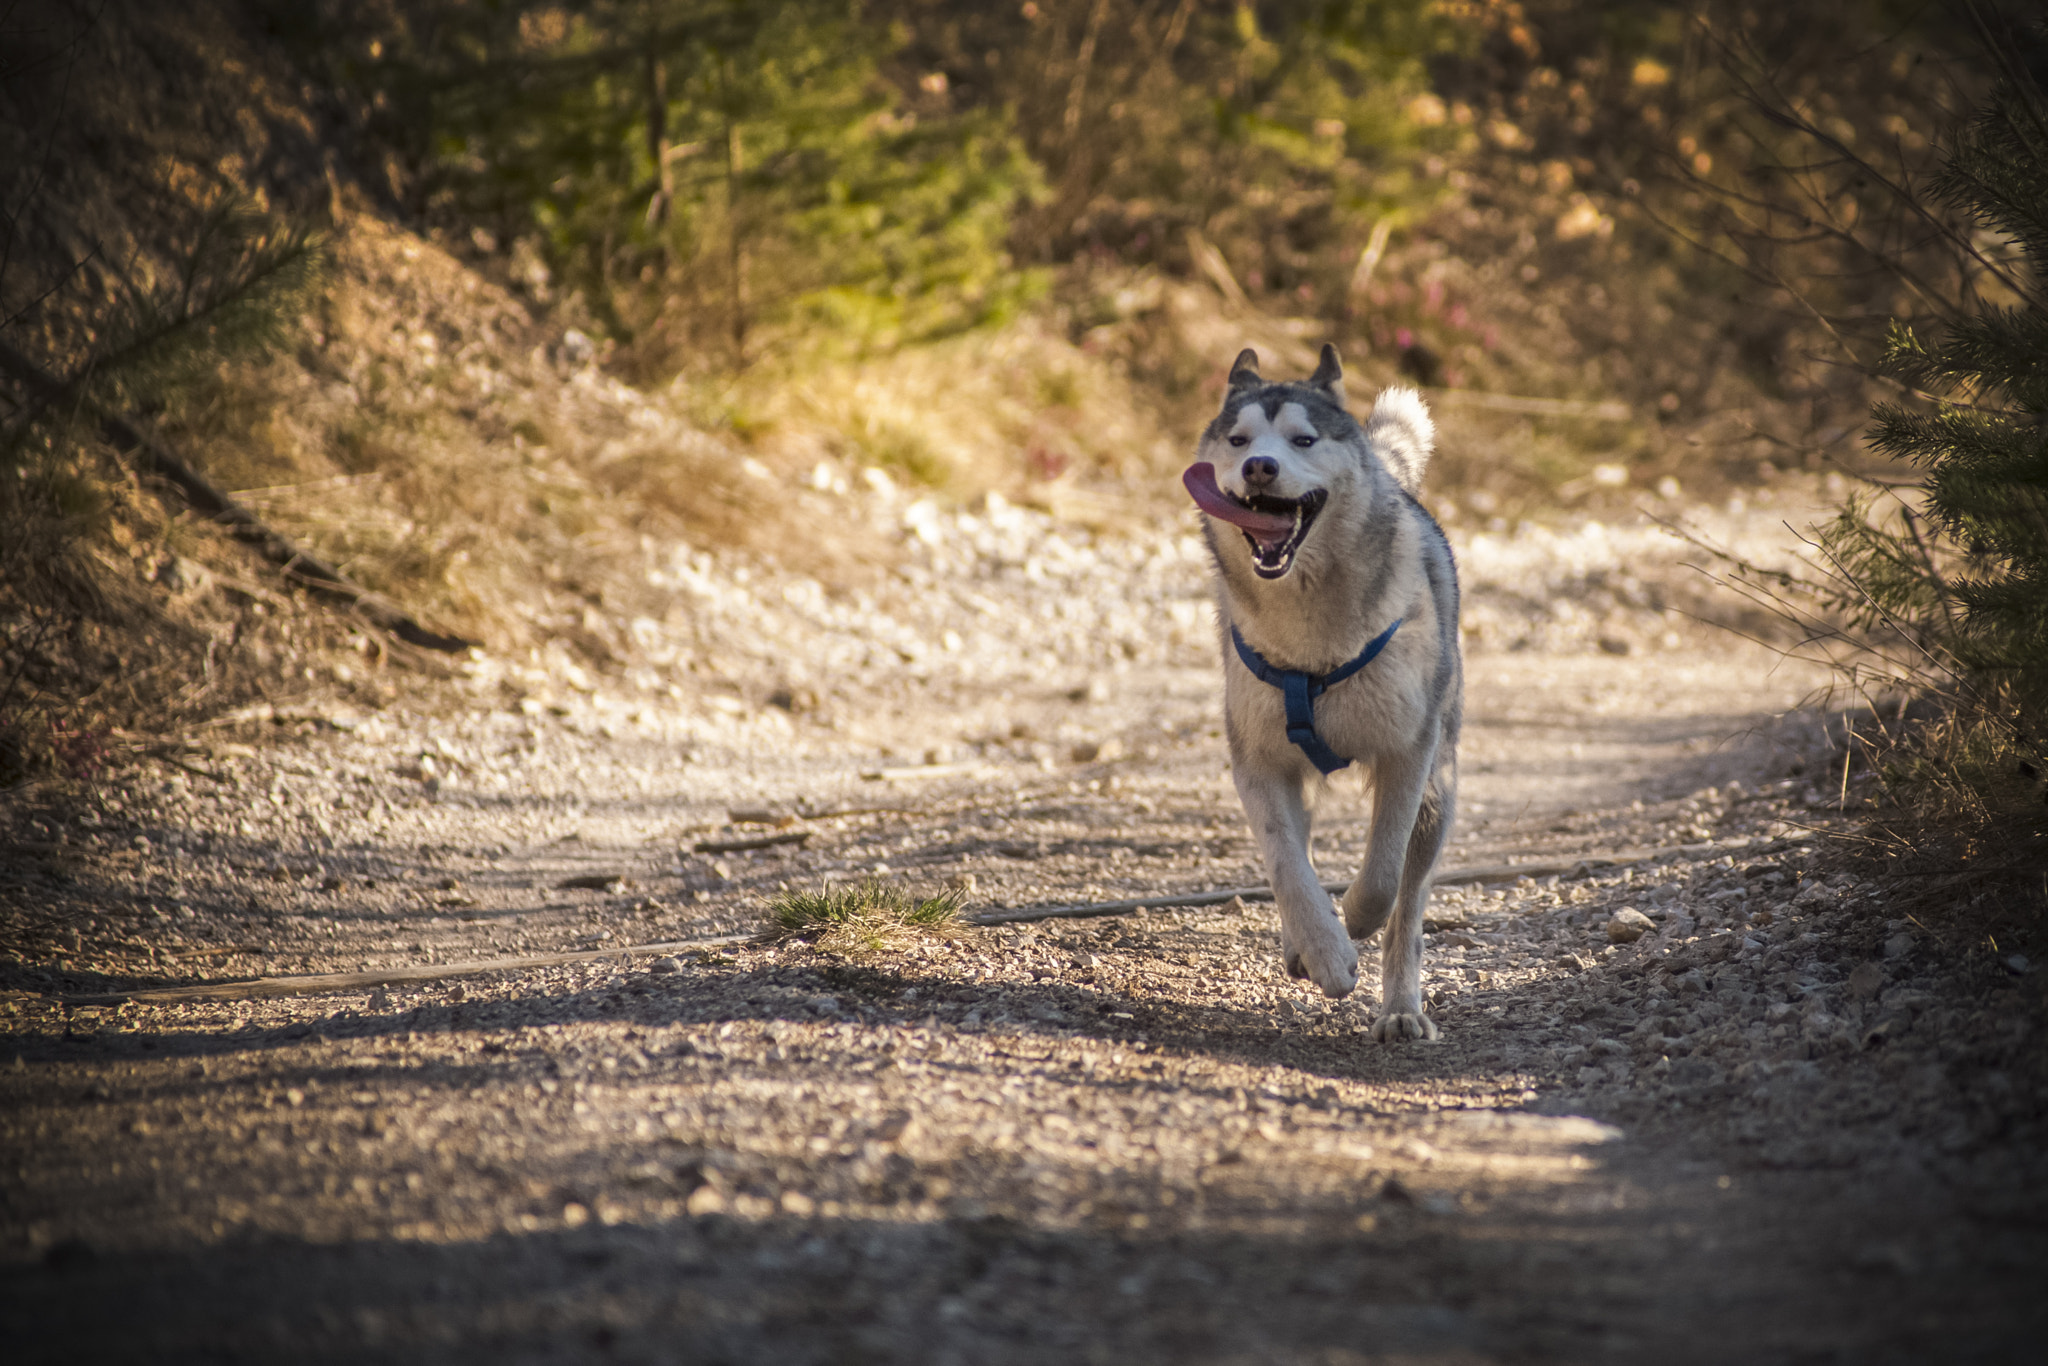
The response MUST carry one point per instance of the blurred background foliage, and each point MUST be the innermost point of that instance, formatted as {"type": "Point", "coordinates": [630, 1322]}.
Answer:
{"type": "Point", "coordinates": [1583, 202]}
{"type": "Point", "coordinates": [717, 179]}
{"type": "Point", "coordinates": [591, 272]}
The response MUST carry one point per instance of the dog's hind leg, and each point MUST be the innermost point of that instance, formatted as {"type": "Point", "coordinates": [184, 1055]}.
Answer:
{"type": "Point", "coordinates": [1398, 784]}
{"type": "Point", "coordinates": [1313, 943]}
{"type": "Point", "coordinates": [1401, 1015]}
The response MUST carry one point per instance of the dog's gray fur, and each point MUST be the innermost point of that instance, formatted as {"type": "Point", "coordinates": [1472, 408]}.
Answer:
{"type": "Point", "coordinates": [1371, 556]}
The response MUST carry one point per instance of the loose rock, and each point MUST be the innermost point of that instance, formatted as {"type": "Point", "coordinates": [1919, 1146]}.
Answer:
{"type": "Point", "coordinates": [1628, 925]}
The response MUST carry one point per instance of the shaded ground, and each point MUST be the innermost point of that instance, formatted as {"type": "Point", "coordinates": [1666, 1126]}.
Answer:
{"type": "Point", "coordinates": [1783, 1126]}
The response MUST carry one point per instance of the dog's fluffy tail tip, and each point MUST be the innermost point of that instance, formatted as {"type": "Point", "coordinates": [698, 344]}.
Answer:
{"type": "Point", "coordinates": [1402, 433]}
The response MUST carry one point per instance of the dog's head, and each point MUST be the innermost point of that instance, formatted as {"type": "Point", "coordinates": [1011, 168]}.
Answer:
{"type": "Point", "coordinates": [1278, 453]}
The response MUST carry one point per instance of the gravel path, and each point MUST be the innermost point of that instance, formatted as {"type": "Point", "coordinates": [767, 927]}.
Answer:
{"type": "Point", "coordinates": [1718, 1106]}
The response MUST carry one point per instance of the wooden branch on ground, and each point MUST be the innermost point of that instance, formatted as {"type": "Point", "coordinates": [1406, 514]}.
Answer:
{"type": "Point", "coordinates": [311, 572]}
{"type": "Point", "coordinates": [750, 842]}
{"type": "Point", "coordinates": [1500, 872]}
{"type": "Point", "coordinates": [315, 984]}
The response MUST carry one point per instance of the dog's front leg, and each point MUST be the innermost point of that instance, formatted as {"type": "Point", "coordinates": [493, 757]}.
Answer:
{"type": "Point", "coordinates": [1313, 943]}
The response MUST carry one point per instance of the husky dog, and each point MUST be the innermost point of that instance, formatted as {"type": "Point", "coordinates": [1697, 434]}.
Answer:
{"type": "Point", "coordinates": [1338, 603]}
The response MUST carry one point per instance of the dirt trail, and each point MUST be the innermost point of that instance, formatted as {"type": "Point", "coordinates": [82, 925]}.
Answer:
{"type": "Point", "coordinates": [1781, 1126]}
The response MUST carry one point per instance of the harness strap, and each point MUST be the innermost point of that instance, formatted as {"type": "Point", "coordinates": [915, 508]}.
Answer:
{"type": "Point", "coordinates": [1299, 691]}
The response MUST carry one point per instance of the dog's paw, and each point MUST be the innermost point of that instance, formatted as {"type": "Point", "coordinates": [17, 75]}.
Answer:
{"type": "Point", "coordinates": [1399, 1027]}
{"type": "Point", "coordinates": [1325, 956]}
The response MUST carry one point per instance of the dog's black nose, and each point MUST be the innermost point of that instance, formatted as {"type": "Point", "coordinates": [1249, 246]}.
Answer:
{"type": "Point", "coordinates": [1261, 470]}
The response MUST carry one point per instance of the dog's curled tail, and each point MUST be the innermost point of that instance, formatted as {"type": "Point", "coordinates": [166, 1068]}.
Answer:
{"type": "Point", "coordinates": [1402, 434]}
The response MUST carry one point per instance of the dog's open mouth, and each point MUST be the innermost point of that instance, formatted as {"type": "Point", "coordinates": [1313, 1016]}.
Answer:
{"type": "Point", "coordinates": [1273, 527]}
{"type": "Point", "coordinates": [1273, 555]}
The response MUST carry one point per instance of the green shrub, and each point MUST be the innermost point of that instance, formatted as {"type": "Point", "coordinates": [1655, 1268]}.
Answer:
{"type": "Point", "coordinates": [1950, 579]}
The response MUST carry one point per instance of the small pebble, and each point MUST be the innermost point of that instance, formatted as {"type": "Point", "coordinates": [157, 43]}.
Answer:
{"type": "Point", "coordinates": [1866, 980]}
{"type": "Point", "coordinates": [665, 965]}
{"type": "Point", "coordinates": [823, 1005]}
{"type": "Point", "coordinates": [1628, 925]}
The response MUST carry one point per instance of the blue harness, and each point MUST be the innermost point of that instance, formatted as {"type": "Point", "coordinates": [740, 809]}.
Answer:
{"type": "Point", "coordinates": [1300, 690]}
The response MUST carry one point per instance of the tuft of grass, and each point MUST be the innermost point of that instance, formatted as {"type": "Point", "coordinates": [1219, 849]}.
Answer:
{"type": "Point", "coordinates": [867, 916]}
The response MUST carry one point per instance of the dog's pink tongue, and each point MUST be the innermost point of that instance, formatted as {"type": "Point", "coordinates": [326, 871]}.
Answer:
{"type": "Point", "coordinates": [1200, 480]}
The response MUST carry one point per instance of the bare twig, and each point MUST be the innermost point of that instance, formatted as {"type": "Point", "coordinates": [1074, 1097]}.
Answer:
{"type": "Point", "coordinates": [756, 842]}
{"type": "Point", "coordinates": [316, 984]}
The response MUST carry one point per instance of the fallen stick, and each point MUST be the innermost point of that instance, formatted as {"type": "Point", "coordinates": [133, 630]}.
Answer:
{"type": "Point", "coordinates": [1086, 910]}
{"type": "Point", "coordinates": [921, 772]}
{"type": "Point", "coordinates": [315, 984]}
{"type": "Point", "coordinates": [752, 842]}
{"type": "Point", "coordinates": [1500, 872]}
{"type": "Point", "coordinates": [1010, 801]}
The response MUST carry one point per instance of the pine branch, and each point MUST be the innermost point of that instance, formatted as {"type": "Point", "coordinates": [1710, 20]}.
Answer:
{"type": "Point", "coordinates": [236, 290]}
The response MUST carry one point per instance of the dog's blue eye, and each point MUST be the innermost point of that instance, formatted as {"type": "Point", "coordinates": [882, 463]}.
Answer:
{"type": "Point", "coordinates": [1304, 441]}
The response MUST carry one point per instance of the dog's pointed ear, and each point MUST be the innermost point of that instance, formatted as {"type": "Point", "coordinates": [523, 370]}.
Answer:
{"type": "Point", "coordinates": [1329, 375]}
{"type": "Point", "coordinates": [1244, 371]}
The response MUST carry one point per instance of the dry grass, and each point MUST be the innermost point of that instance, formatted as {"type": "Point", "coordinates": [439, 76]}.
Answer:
{"type": "Point", "coordinates": [867, 917]}
{"type": "Point", "coordinates": [428, 438]}
{"type": "Point", "coordinates": [435, 442]}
